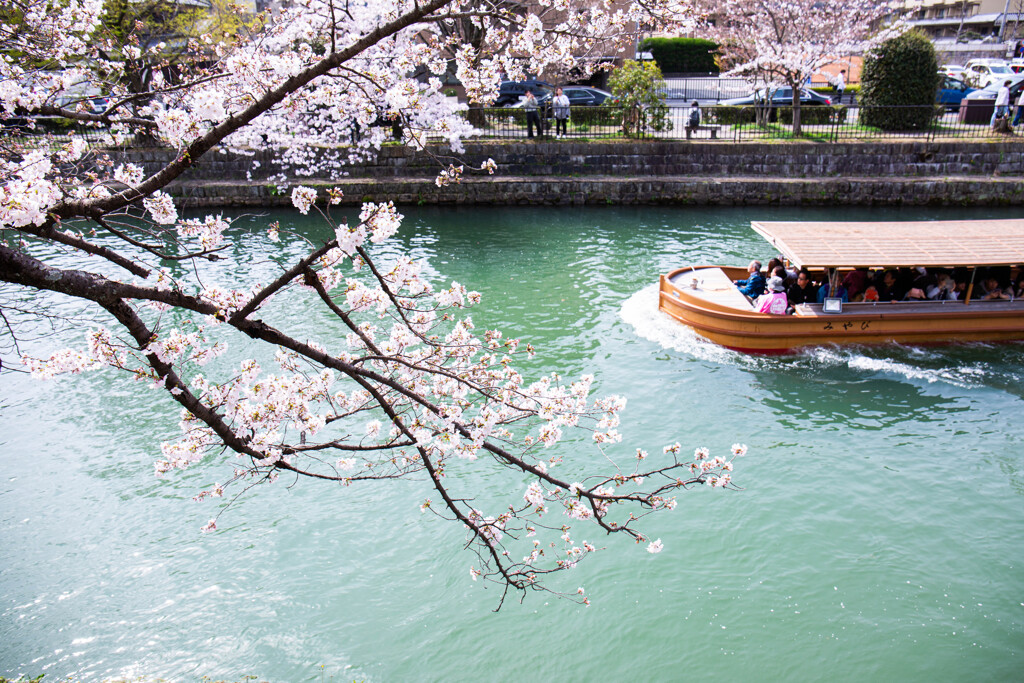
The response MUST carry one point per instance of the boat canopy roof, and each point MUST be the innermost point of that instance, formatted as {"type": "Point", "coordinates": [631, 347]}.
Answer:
{"type": "Point", "coordinates": [887, 244]}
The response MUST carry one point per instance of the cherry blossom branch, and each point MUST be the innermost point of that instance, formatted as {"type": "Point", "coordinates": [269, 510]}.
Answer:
{"type": "Point", "coordinates": [49, 231]}
{"type": "Point", "coordinates": [234, 123]}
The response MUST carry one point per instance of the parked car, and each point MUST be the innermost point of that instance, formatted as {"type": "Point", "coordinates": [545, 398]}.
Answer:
{"type": "Point", "coordinates": [512, 91]}
{"type": "Point", "coordinates": [780, 97]}
{"type": "Point", "coordinates": [581, 95]}
{"type": "Point", "coordinates": [1017, 65]}
{"type": "Point", "coordinates": [954, 70]}
{"type": "Point", "coordinates": [951, 91]}
{"type": "Point", "coordinates": [989, 93]}
{"type": "Point", "coordinates": [99, 105]}
{"type": "Point", "coordinates": [982, 73]}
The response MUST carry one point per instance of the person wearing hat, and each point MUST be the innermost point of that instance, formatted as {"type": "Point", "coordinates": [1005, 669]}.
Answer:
{"type": "Point", "coordinates": [774, 301]}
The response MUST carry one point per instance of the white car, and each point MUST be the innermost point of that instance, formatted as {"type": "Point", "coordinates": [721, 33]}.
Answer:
{"type": "Point", "coordinates": [982, 73]}
{"type": "Point", "coordinates": [954, 70]}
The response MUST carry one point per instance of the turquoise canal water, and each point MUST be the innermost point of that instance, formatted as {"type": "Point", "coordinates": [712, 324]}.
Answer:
{"type": "Point", "coordinates": [878, 535]}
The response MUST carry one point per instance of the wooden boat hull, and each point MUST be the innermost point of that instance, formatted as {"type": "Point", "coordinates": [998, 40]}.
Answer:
{"type": "Point", "coordinates": [721, 317]}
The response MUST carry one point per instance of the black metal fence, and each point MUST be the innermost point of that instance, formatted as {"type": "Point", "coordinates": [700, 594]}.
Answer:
{"type": "Point", "coordinates": [736, 124]}
{"type": "Point", "coordinates": [704, 87]}
{"type": "Point", "coordinates": [47, 132]}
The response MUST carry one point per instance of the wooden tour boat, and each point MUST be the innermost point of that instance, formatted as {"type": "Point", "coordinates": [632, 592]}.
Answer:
{"type": "Point", "coordinates": [705, 298]}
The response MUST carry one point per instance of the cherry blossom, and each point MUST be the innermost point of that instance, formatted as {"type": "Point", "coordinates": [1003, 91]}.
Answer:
{"type": "Point", "coordinates": [402, 384]}
{"type": "Point", "coordinates": [786, 42]}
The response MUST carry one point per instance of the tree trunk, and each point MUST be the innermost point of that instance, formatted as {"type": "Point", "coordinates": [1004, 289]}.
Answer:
{"type": "Point", "coordinates": [796, 111]}
{"type": "Point", "coordinates": [476, 117]}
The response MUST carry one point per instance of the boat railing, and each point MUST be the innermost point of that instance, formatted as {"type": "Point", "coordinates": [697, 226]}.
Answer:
{"type": "Point", "coordinates": [917, 305]}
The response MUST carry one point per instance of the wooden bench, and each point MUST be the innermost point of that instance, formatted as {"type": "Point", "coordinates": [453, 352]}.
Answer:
{"type": "Point", "coordinates": [713, 129]}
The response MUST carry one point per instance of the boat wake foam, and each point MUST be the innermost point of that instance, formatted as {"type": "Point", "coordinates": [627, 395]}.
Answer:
{"type": "Point", "coordinates": [641, 311]}
{"type": "Point", "coordinates": [916, 364]}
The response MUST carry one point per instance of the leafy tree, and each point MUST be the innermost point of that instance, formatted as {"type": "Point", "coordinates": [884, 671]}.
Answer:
{"type": "Point", "coordinates": [899, 83]}
{"type": "Point", "coordinates": [639, 91]}
{"type": "Point", "coordinates": [401, 385]}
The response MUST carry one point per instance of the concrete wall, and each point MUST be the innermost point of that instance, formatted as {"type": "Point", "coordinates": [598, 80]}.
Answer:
{"type": "Point", "coordinates": [646, 172]}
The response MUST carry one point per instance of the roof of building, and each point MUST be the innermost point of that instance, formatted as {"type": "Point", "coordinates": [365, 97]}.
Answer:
{"type": "Point", "coordinates": [878, 244]}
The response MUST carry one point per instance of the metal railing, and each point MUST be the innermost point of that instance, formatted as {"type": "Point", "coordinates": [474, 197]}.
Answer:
{"type": "Point", "coordinates": [704, 87]}
{"type": "Point", "coordinates": [736, 124]}
{"type": "Point", "coordinates": [47, 132]}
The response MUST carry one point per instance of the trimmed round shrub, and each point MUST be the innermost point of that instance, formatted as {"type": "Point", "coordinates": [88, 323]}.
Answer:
{"type": "Point", "coordinates": [899, 83]}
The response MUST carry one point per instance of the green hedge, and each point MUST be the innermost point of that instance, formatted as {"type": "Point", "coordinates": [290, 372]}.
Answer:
{"type": "Point", "coordinates": [595, 116]}
{"type": "Point", "coordinates": [809, 116]}
{"type": "Point", "coordinates": [828, 89]}
{"type": "Point", "coordinates": [683, 55]}
{"type": "Point", "coordinates": [590, 116]}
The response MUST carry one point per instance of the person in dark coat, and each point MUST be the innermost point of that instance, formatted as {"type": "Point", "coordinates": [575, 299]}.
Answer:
{"type": "Point", "coordinates": [802, 291]}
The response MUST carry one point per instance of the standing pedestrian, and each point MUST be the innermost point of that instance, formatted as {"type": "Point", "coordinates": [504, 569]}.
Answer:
{"type": "Point", "coordinates": [693, 120]}
{"type": "Point", "coordinates": [1002, 103]}
{"type": "Point", "coordinates": [1019, 115]}
{"type": "Point", "coordinates": [532, 119]}
{"type": "Point", "coordinates": [840, 86]}
{"type": "Point", "coordinates": [561, 111]}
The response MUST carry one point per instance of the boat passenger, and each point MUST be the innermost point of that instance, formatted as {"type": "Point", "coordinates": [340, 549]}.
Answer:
{"type": "Point", "coordinates": [992, 290]}
{"type": "Point", "coordinates": [833, 288]}
{"type": "Point", "coordinates": [944, 288]}
{"type": "Point", "coordinates": [753, 286]}
{"type": "Point", "coordinates": [904, 281]}
{"type": "Point", "coordinates": [923, 280]}
{"type": "Point", "coordinates": [774, 301]}
{"type": "Point", "coordinates": [960, 278]}
{"type": "Point", "coordinates": [802, 291]}
{"type": "Point", "coordinates": [856, 281]}
{"type": "Point", "coordinates": [1018, 286]}
{"type": "Point", "coordinates": [887, 288]}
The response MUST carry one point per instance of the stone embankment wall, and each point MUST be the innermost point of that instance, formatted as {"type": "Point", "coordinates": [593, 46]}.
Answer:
{"type": "Point", "coordinates": [963, 173]}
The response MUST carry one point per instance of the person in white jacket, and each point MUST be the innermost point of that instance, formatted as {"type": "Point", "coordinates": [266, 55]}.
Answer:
{"type": "Point", "coordinates": [1020, 109]}
{"type": "Point", "coordinates": [561, 111]}
{"type": "Point", "coordinates": [840, 86]}
{"type": "Point", "coordinates": [1002, 103]}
